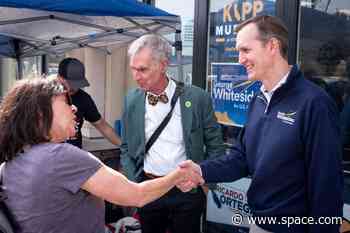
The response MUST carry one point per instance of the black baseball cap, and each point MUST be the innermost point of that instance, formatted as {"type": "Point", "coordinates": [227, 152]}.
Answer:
{"type": "Point", "coordinates": [73, 71]}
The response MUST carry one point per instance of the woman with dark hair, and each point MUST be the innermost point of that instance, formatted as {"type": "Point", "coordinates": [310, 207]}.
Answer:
{"type": "Point", "coordinates": [53, 186]}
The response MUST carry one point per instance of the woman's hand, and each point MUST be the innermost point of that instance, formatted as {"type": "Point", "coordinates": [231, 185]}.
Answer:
{"type": "Point", "coordinates": [188, 176]}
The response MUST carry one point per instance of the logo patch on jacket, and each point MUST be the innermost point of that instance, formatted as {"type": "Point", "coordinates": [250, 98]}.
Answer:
{"type": "Point", "coordinates": [287, 117]}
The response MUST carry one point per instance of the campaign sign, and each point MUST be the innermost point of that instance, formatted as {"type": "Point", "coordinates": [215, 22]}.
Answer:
{"type": "Point", "coordinates": [227, 200]}
{"type": "Point", "coordinates": [224, 21]}
{"type": "Point", "coordinates": [231, 92]}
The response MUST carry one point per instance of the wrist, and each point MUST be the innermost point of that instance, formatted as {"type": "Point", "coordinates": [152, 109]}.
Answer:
{"type": "Point", "coordinates": [174, 176]}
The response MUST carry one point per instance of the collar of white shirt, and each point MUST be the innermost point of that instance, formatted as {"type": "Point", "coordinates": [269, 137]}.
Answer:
{"type": "Point", "coordinates": [268, 94]}
{"type": "Point", "coordinates": [169, 90]}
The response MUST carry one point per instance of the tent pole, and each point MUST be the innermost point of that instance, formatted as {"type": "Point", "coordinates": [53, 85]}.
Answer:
{"type": "Point", "coordinates": [24, 20]}
{"type": "Point", "coordinates": [19, 68]}
{"type": "Point", "coordinates": [86, 24]}
{"type": "Point", "coordinates": [88, 39]}
{"type": "Point", "coordinates": [26, 38]}
{"type": "Point", "coordinates": [178, 51]}
{"type": "Point", "coordinates": [44, 65]}
{"type": "Point", "coordinates": [138, 24]}
{"type": "Point", "coordinates": [18, 58]}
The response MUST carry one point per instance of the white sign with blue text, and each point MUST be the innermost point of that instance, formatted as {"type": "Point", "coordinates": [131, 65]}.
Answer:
{"type": "Point", "coordinates": [227, 203]}
{"type": "Point", "coordinates": [231, 92]}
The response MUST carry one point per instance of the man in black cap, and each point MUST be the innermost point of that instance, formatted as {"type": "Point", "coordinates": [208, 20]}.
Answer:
{"type": "Point", "coordinates": [72, 73]}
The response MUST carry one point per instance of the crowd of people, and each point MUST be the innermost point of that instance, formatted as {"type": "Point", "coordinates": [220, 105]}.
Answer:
{"type": "Point", "coordinates": [171, 145]}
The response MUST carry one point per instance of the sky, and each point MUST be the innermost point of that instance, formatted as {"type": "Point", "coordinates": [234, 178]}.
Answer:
{"type": "Point", "coordinates": [184, 8]}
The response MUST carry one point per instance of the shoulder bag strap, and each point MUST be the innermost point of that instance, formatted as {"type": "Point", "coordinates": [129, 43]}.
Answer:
{"type": "Point", "coordinates": [158, 131]}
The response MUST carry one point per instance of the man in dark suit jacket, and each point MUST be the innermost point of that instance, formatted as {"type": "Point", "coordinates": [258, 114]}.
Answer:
{"type": "Point", "coordinates": [192, 133]}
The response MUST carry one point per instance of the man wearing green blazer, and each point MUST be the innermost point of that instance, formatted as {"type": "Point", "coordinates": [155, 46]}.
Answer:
{"type": "Point", "coordinates": [191, 133]}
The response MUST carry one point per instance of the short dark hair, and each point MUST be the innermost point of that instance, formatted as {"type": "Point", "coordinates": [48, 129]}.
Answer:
{"type": "Point", "coordinates": [269, 27]}
{"type": "Point", "coordinates": [73, 71]}
{"type": "Point", "coordinates": [26, 115]}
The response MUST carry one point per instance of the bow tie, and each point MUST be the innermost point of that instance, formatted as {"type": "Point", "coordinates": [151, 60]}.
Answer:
{"type": "Point", "coordinates": [153, 99]}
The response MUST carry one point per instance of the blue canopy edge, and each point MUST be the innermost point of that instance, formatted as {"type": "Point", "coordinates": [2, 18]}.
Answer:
{"type": "Point", "coordinates": [118, 8]}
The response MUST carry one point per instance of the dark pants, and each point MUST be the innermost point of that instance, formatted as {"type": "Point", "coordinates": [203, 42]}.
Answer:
{"type": "Point", "coordinates": [176, 211]}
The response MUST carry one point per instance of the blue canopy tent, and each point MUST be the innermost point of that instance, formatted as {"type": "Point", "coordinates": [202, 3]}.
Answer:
{"type": "Point", "coordinates": [37, 27]}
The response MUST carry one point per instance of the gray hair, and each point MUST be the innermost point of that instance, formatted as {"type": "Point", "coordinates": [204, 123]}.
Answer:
{"type": "Point", "coordinates": [161, 49]}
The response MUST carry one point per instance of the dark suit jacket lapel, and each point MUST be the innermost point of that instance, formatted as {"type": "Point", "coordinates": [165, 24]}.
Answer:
{"type": "Point", "coordinates": [139, 117]}
{"type": "Point", "coordinates": [186, 113]}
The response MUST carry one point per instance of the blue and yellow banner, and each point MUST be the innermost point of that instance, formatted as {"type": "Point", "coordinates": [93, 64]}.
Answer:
{"type": "Point", "coordinates": [224, 21]}
{"type": "Point", "coordinates": [230, 88]}
{"type": "Point", "coordinates": [231, 93]}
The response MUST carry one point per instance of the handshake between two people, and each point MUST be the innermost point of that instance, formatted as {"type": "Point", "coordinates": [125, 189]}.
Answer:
{"type": "Point", "coordinates": [190, 176]}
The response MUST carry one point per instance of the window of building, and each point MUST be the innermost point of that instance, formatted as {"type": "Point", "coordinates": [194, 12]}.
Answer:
{"type": "Point", "coordinates": [8, 74]}
{"type": "Point", "coordinates": [52, 62]}
{"type": "Point", "coordinates": [227, 80]}
{"type": "Point", "coordinates": [324, 57]}
{"type": "Point", "coordinates": [231, 92]}
{"type": "Point", "coordinates": [31, 67]}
